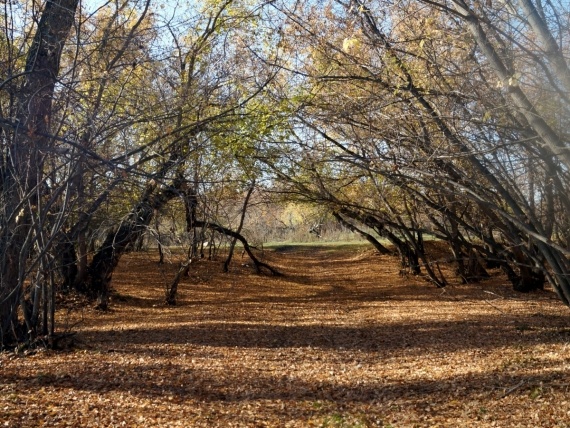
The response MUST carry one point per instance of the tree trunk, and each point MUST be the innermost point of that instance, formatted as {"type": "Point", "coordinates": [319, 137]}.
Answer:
{"type": "Point", "coordinates": [530, 279]}
{"type": "Point", "coordinates": [228, 232]}
{"type": "Point", "coordinates": [475, 271]}
{"type": "Point", "coordinates": [117, 241]}
{"type": "Point", "coordinates": [22, 172]}
{"type": "Point", "coordinates": [520, 100]}
{"type": "Point", "coordinates": [240, 227]}
{"type": "Point", "coordinates": [375, 243]}
{"type": "Point", "coordinates": [68, 263]}
{"type": "Point", "coordinates": [172, 290]}
{"type": "Point", "coordinates": [82, 266]}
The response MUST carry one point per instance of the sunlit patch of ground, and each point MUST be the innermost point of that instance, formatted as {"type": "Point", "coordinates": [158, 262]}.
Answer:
{"type": "Point", "coordinates": [342, 340]}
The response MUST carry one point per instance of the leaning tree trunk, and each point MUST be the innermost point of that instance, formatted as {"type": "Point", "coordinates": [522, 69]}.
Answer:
{"type": "Point", "coordinates": [23, 165]}
{"type": "Point", "coordinates": [118, 240]}
{"type": "Point", "coordinates": [375, 243]}
{"type": "Point", "coordinates": [259, 265]}
{"type": "Point", "coordinates": [172, 289]}
{"type": "Point", "coordinates": [240, 227]}
{"type": "Point", "coordinates": [530, 278]}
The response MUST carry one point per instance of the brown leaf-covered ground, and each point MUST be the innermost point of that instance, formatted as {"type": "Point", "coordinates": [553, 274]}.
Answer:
{"type": "Point", "coordinates": [341, 341]}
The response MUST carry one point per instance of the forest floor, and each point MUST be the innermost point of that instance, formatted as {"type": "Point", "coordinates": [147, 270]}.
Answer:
{"type": "Point", "coordinates": [342, 340]}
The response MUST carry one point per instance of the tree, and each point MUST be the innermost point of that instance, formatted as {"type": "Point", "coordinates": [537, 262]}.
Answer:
{"type": "Point", "coordinates": [27, 143]}
{"type": "Point", "coordinates": [412, 104]}
{"type": "Point", "coordinates": [210, 108]}
{"type": "Point", "coordinates": [100, 134]}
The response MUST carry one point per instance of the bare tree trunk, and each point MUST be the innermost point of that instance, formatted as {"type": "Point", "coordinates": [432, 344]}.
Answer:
{"type": "Point", "coordinates": [68, 262]}
{"type": "Point", "coordinates": [228, 232]}
{"type": "Point", "coordinates": [552, 51]}
{"type": "Point", "coordinates": [158, 240]}
{"type": "Point", "coordinates": [190, 206]}
{"type": "Point", "coordinates": [375, 243]}
{"type": "Point", "coordinates": [81, 254]}
{"type": "Point", "coordinates": [23, 166]}
{"type": "Point", "coordinates": [117, 241]}
{"type": "Point", "coordinates": [172, 289]}
{"type": "Point", "coordinates": [240, 227]}
{"type": "Point", "coordinates": [551, 139]}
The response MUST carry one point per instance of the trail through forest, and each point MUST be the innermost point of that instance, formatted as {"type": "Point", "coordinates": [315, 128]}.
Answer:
{"type": "Point", "coordinates": [342, 340]}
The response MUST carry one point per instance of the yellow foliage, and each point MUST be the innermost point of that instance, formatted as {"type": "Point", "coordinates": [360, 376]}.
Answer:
{"type": "Point", "coordinates": [351, 44]}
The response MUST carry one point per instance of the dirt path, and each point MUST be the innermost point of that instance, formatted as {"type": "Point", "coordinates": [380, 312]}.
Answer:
{"type": "Point", "coordinates": [340, 341]}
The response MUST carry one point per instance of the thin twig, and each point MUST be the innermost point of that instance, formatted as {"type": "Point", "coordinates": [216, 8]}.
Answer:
{"type": "Point", "coordinates": [494, 306]}
{"type": "Point", "coordinates": [513, 388]}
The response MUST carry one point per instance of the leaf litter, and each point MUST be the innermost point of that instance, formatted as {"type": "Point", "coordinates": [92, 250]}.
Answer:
{"type": "Point", "coordinates": [342, 340]}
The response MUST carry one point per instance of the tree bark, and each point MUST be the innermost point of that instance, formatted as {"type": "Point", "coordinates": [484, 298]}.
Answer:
{"type": "Point", "coordinates": [127, 233]}
{"type": "Point", "coordinates": [172, 290]}
{"type": "Point", "coordinates": [240, 227]}
{"type": "Point", "coordinates": [375, 243]}
{"type": "Point", "coordinates": [23, 167]}
{"type": "Point", "coordinates": [225, 231]}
